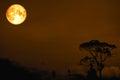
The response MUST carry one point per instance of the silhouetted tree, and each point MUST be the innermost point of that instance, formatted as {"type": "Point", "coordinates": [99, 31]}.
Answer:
{"type": "Point", "coordinates": [99, 51]}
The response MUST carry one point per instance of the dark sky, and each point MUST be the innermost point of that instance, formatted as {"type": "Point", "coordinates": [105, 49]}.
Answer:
{"type": "Point", "coordinates": [53, 30]}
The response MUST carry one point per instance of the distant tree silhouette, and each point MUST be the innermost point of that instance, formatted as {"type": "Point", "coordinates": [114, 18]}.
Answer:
{"type": "Point", "coordinates": [69, 72]}
{"type": "Point", "coordinates": [99, 51]}
{"type": "Point", "coordinates": [53, 74]}
{"type": "Point", "coordinates": [76, 77]}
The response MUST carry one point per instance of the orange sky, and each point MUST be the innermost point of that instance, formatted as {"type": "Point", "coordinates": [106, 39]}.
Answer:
{"type": "Point", "coordinates": [53, 30]}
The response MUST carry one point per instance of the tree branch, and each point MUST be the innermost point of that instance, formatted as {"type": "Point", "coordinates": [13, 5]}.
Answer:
{"type": "Point", "coordinates": [94, 57]}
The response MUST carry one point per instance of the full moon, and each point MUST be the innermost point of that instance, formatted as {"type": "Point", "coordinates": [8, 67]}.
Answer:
{"type": "Point", "coordinates": [16, 14]}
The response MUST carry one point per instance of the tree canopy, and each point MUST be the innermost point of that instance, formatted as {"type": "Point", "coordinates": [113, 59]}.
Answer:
{"type": "Point", "coordinates": [98, 49]}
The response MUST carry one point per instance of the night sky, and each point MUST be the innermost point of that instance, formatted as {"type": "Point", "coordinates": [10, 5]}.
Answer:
{"type": "Point", "coordinates": [53, 30]}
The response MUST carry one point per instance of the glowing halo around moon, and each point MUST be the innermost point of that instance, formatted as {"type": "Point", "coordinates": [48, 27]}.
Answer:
{"type": "Point", "coordinates": [16, 14]}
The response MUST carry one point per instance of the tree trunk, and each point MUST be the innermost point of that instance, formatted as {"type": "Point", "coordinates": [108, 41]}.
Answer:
{"type": "Point", "coordinates": [100, 68]}
{"type": "Point", "coordinates": [100, 74]}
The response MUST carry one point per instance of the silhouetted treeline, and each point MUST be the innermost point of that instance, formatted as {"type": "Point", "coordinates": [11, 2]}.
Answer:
{"type": "Point", "coordinates": [81, 77]}
{"type": "Point", "coordinates": [12, 71]}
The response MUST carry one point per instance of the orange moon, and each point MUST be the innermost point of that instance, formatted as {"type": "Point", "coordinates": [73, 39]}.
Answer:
{"type": "Point", "coordinates": [16, 14]}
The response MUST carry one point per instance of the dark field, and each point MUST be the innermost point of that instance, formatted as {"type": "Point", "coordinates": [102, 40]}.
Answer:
{"type": "Point", "coordinates": [11, 71]}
